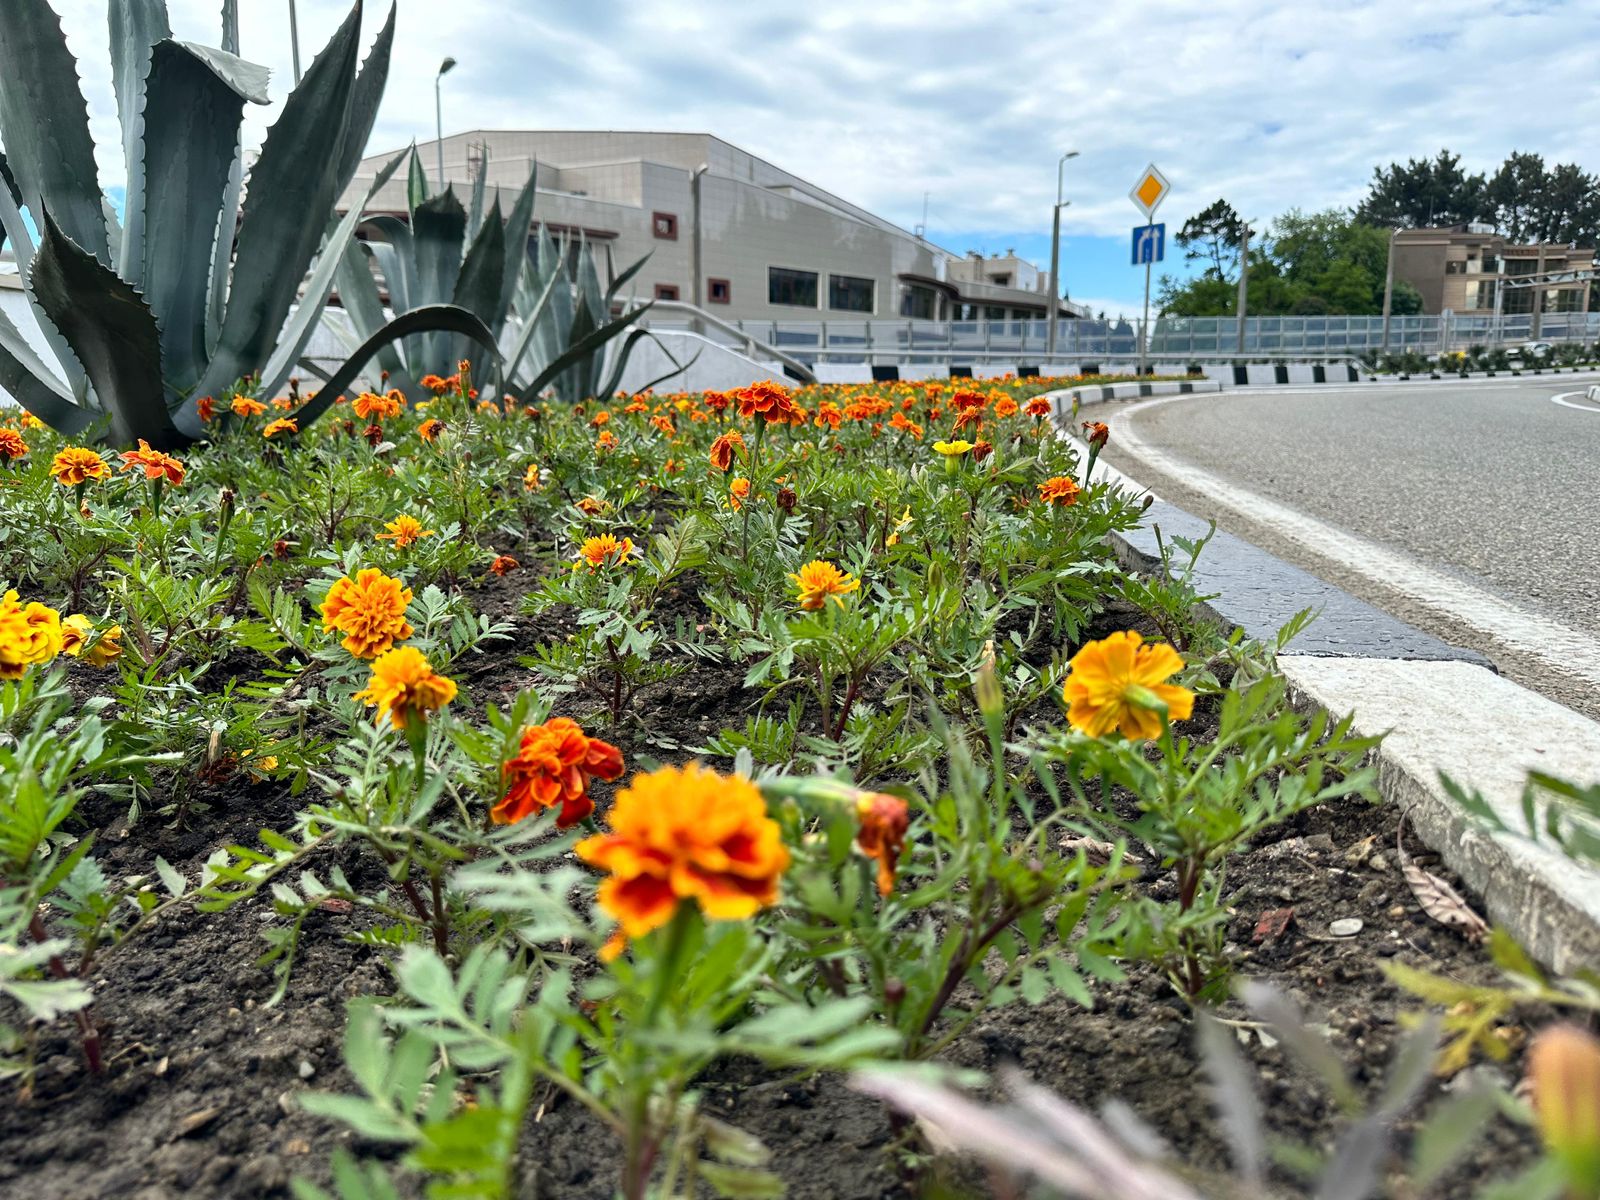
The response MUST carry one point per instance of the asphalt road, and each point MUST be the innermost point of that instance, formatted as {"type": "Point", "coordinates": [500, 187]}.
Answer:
{"type": "Point", "coordinates": [1489, 487]}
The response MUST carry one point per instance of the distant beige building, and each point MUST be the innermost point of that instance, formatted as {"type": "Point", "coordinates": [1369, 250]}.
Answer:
{"type": "Point", "coordinates": [1463, 268]}
{"type": "Point", "coordinates": [726, 230]}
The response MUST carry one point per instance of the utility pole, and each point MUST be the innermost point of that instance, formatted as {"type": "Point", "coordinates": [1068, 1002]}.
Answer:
{"type": "Point", "coordinates": [294, 41]}
{"type": "Point", "coordinates": [438, 115]}
{"type": "Point", "coordinates": [1388, 289]}
{"type": "Point", "coordinates": [1244, 280]}
{"type": "Point", "coordinates": [1055, 254]}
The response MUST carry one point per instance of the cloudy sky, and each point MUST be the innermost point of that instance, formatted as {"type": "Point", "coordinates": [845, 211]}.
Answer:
{"type": "Point", "coordinates": [1270, 103]}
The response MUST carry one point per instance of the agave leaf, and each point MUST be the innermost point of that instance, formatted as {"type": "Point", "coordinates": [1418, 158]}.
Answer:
{"type": "Point", "coordinates": [314, 296]}
{"type": "Point", "coordinates": [391, 246]}
{"type": "Point", "coordinates": [358, 292]}
{"type": "Point", "coordinates": [583, 347]}
{"type": "Point", "coordinates": [46, 124]}
{"type": "Point", "coordinates": [293, 186]}
{"type": "Point", "coordinates": [228, 213]}
{"type": "Point", "coordinates": [621, 281]}
{"type": "Point", "coordinates": [478, 286]}
{"type": "Point", "coordinates": [530, 325]}
{"type": "Point", "coordinates": [136, 27]}
{"type": "Point", "coordinates": [438, 229]}
{"type": "Point", "coordinates": [113, 331]}
{"type": "Point", "coordinates": [21, 237]}
{"type": "Point", "coordinates": [194, 104]}
{"type": "Point", "coordinates": [619, 363]}
{"type": "Point", "coordinates": [446, 317]}
{"type": "Point", "coordinates": [366, 98]}
{"type": "Point", "coordinates": [33, 384]}
{"type": "Point", "coordinates": [416, 182]}
{"type": "Point", "coordinates": [518, 226]}
{"type": "Point", "coordinates": [480, 185]}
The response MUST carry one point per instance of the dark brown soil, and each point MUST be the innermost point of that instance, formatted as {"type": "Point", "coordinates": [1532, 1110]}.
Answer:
{"type": "Point", "coordinates": [199, 1097]}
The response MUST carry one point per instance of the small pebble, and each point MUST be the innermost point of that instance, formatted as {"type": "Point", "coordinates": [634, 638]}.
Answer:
{"type": "Point", "coordinates": [306, 1070]}
{"type": "Point", "coordinates": [1346, 927]}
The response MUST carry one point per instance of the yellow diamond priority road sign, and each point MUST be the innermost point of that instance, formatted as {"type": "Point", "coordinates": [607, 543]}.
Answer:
{"type": "Point", "coordinates": [1150, 191]}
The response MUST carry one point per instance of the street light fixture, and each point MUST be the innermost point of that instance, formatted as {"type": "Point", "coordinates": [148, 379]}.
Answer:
{"type": "Point", "coordinates": [438, 115]}
{"type": "Point", "coordinates": [1055, 251]}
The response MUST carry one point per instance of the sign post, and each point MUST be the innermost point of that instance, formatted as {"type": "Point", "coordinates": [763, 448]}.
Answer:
{"type": "Point", "coordinates": [1148, 243]}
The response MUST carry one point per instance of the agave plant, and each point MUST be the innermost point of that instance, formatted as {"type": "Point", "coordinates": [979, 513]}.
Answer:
{"type": "Point", "coordinates": [565, 328]}
{"type": "Point", "coordinates": [444, 253]}
{"type": "Point", "coordinates": [185, 297]}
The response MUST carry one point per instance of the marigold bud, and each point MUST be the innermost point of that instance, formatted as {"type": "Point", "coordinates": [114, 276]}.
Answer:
{"type": "Point", "coordinates": [1564, 1077]}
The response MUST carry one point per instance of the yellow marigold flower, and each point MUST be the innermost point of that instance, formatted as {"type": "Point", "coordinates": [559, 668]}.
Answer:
{"type": "Point", "coordinates": [818, 580]}
{"type": "Point", "coordinates": [154, 464]}
{"type": "Point", "coordinates": [530, 478]}
{"type": "Point", "coordinates": [403, 531]}
{"type": "Point", "coordinates": [282, 425]}
{"type": "Point", "coordinates": [430, 429]}
{"type": "Point", "coordinates": [12, 447]}
{"type": "Point", "coordinates": [604, 550]}
{"type": "Point", "coordinates": [952, 449]}
{"type": "Point", "coordinates": [76, 634]}
{"type": "Point", "coordinates": [369, 610]}
{"type": "Point", "coordinates": [244, 406]}
{"type": "Point", "coordinates": [76, 465]}
{"type": "Point", "coordinates": [681, 835]}
{"type": "Point", "coordinates": [405, 688]}
{"type": "Point", "coordinates": [1060, 491]}
{"type": "Point", "coordinates": [29, 421]}
{"type": "Point", "coordinates": [1120, 683]}
{"type": "Point", "coordinates": [29, 633]}
{"type": "Point", "coordinates": [900, 527]}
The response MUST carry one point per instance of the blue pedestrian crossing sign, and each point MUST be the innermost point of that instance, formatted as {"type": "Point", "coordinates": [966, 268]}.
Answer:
{"type": "Point", "coordinates": [1149, 241]}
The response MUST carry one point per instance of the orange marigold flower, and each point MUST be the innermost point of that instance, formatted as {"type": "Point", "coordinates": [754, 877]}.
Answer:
{"type": "Point", "coordinates": [434, 383]}
{"type": "Point", "coordinates": [1006, 407]}
{"type": "Point", "coordinates": [370, 406]}
{"type": "Point", "coordinates": [206, 409]}
{"type": "Point", "coordinates": [369, 610]}
{"type": "Point", "coordinates": [554, 764]}
{"type": "Point", "coordinates": [818, 580]}
{"type": "Point", "coordinates": [76, 465]}
{"type": "Point", "coordinates": [717, 401]}
{"type": "Point", "coordinates": [153, 463]}
{"type": "Point", "coordinates": [600, 418]}
{"type": "Point", "coordinates": [29, 633]}
{"type": "Point", "coordinates": [590, 506]}
{"type": "Point", "coordinates": [882, 834]}
{"type": "Point", "coordinates": [636, 406]}
{"type": "Point", "coordinates": [724, 448]}
{"type": "Point", "coordinates": [282, 425]}
{"type": "Point", "coordinates": [12, 447]}
{"type": "Point", "coordinates": [530, 478]}
{"type": "Point", "coordinates": [971, 416]}
{"type": "Point", "coordinates": [969, 402]}
{"type": "Point", "coordinates": [664, 424]}
{"type": "Point", "coordinates": [1037, 407]}
{"type": "Point", "coordinates": [685, 834]}
{"type": "Point", "coordinates": [1059, 491]}
{"type": "Point", "coordinates": [244, 406]}
{"type": "Point", "coordinates": [1096, 434]}
{"type": "Point", "coordinates": [29, 421]}
{"type": "Point", "coordinates": [604, 550]}
{"type": "Point", "coordinates": [405, 688]}
{"type": "Point", "coordinates": [403, 531]}
{"type": "Point", "coordinates": [1120, 683]}
{"type": "Point", "coordinates": [504, 564]}
{"type": "Point", "coordinates": [606, 441]}
{"type": "Point", "coordinates": [981, 450]}
{"type": "Point", "coordinates": [738, 493]}
{"type": "Point", "coordinates": [768, 400]}
{"type": "Point", "coordinates": [284, 404]}
{"type": "Point", "coordinates": [430, 430]}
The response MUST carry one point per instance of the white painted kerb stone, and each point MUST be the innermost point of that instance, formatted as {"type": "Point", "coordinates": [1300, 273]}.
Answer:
{"type": "Point", "coordinates": [1486, 733]}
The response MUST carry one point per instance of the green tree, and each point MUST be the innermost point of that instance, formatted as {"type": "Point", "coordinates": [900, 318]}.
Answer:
{"type": "Point", "coordinates": [1213, 236]}
{"type": "Point", "coordinates": [1517, 193]}
{"type": "Point", "coordinates": [1425, 192]}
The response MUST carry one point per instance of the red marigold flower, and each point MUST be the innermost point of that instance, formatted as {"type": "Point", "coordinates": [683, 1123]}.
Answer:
{"type": "Point", "coordinates": [882, 834]}
{"type": "Point", "coordinates": [724, 448]}
{"type": "Point", "coordinates": [206, 409]}
{"type": "Point", "coordinates": [503, 564]}
{"type": "Point", "coordinates": [768, 400]}
{"type": "Point", "coordinates": [1096, 434]}
{"type": "Point", "coordinates": [1037, 407]}
{"type": "Point", "coordinates": [554, 764]}
{"type": "Point", "coordinates": [153, 463]}
{"type": "Point", "coordinates": [430, 429]}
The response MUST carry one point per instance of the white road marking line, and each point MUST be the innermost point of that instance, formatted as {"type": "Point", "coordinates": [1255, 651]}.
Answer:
{"type": "Point", "coordinates": [1566, 651]}
{"type": "Point", "coordinates": [1565, 400]}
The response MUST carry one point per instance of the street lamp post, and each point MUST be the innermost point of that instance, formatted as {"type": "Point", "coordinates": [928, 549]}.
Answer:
{"type": "Point", "coordinates": [438, 115]}
{"type": "Point", "coordinates": [294, 41]}
{"type": "Point", "coordinates": [1055, 252]}
{"type": "Point", "coordinates": [1388, 289]}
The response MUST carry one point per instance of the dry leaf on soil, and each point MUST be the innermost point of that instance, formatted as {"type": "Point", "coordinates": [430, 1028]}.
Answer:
{"type": "Point", "coordinates": [1437, 898]}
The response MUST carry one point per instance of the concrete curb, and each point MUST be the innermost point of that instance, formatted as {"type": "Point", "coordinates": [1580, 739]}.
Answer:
{"type": "Point", "coordinates": [1099, 393]}
{"type": "Point", "coordinates": [1441, 709]}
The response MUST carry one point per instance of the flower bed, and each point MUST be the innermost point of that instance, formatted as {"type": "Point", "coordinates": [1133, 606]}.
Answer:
{"type": "Point", "coordinates": [564, 801]}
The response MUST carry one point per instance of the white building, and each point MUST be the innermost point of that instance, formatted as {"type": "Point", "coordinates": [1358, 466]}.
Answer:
{"type": "Point", "coordinates": [726, 230]}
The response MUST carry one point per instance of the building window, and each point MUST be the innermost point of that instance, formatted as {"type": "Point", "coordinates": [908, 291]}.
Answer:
{"type": "Point", "coordinates": [664, 225]}
{"type": "Point", "coordinates": [918, 302]}
{"type": "Point", "coordinates": [719, 291]}
{"type": "Point", "coordinates": [994, 312]}
{"type": "Point", "coordinates": [850, 293]}
{"type": "Point", "coordinates": [666, 291]}
{"type": "Point", "coordinates": [791, 288]}
{"type": "Point", "coordinates": [1455, 268]}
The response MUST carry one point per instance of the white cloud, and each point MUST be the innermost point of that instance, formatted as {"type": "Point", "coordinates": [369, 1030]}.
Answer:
{"type": "Point", "coordinates": [1270, 104]}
